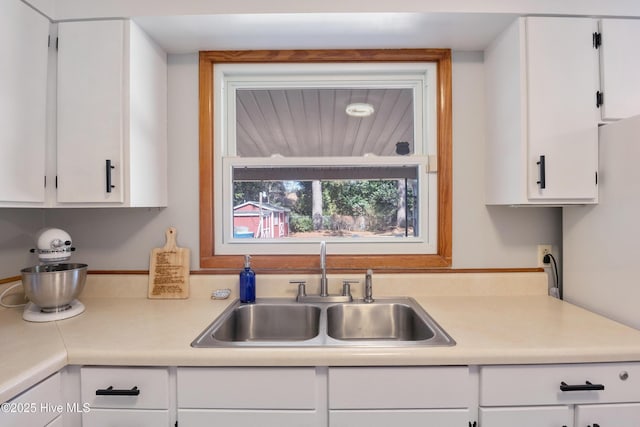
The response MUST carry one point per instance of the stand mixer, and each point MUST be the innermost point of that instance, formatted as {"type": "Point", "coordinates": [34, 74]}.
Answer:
{"type": "Point", "coordinates": [53, 285]}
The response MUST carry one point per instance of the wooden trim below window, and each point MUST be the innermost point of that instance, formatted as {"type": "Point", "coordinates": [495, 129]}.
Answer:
{"type": "Point", "coordinates": [283, 263]}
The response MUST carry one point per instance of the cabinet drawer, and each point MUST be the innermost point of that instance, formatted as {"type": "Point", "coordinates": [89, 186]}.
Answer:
{"type": "Point", "coordinates": [36, 406]}
{"type": "Point", "coordinates": [618, 415]}
{"type": "Point", "coordinates": [244, 418]}
{"type": "Point", "coordinates": [125, 418]}
{"type": "Point", "coordinates": [404, 418]}
{"type": "Point", "coordinates": [540, 384]}
{"type": "Point", "coordinates": [248, 388]}
{"type": "Point", "coordinates": [399, 387]}
{"type": "Point", "coordinates": [529, 416]}
{"type": "Point", "coordinates": [152, 385]}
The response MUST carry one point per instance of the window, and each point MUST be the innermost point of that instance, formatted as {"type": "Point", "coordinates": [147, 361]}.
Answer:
{"type": "Point", "coordinates": [385, 200]}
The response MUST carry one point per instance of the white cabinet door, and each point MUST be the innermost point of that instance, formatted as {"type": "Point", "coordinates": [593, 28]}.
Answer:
{"type": "Point", "coordinates": [562, 114]}
{"type": "Point", "coordinates": [57, 422]}
{"type": "Point", "coordinates": [541, 77]}
{"type": "Point", "coordinates": [404, 418]}
{"type": "Point", "coordinates": [620, 68]}
{"type": "Point", "coordinates": [91, 106]}
{"type": "Point", "coordinates": [620, 415]}
{"type": "Point", "coordinates": [246, 418]}
{"type": "Point", "coordinates": [23, 85]}
{"type": "Point", "coordinates": [125, 418]}
{"type": "Point", "coordinates": [36, 407]}
{"type": "Point", "coordinates": [532, 416]}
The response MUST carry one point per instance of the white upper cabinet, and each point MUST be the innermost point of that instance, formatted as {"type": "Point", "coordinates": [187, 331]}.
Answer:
{"type": "Point", "coordinates": [619, 68]}
{"type": "Point", "coordinates": [111, 116]}
{"type": "Point", "coordinates": [23, 88]}
{"type": "Point", "coordinates": [541, 78]}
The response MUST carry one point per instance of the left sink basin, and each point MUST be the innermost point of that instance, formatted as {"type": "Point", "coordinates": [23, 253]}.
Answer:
{"type": "Point", "coordinates": [270, 323]}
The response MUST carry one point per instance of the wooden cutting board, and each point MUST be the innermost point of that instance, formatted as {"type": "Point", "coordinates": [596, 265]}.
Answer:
{"type": "Point", "coordinates": [169, 269]}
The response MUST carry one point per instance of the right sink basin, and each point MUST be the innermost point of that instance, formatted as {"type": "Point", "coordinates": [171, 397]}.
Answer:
{"type": "Point", "coordinates": [392, 321]}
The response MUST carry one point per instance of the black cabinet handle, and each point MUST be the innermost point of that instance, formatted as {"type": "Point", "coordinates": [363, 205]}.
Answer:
{"type": "Point", "coordinates": [542, 173]}
{"type": "Point", "coordinates": [109, 167]}
{"type": "Point", "coordinates": [110, 391]}
{"type": "Point", "coordinates": [587, 386]}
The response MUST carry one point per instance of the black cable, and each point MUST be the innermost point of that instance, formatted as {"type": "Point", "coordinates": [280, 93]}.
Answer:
{"type": "Point", "coordinates": [548, 258]}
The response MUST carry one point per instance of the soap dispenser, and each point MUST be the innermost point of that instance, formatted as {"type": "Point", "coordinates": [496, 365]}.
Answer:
{"type": "Point", "coordinates": [247, 282]}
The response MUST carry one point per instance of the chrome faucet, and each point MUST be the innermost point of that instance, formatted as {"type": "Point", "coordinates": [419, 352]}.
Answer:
{"type": "Point", "coordinates": [324, 286]}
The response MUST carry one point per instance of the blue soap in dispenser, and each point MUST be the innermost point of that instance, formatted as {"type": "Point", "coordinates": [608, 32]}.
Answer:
{"type": "Point", "coordinates": [247, 282]}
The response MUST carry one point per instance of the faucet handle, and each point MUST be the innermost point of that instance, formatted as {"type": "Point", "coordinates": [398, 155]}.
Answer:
{"type": "Point", "coordinates": [346, 287]}
{"type": "Point", "coordinates": [302, 292]}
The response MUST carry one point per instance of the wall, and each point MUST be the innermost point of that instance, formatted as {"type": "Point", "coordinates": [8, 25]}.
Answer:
{"type": "Point", "coordinates": [483, 237]}
{"type": "Point", "coordinates": [488, 236]}
{"type": "Point", "coordinates": [17, 233]}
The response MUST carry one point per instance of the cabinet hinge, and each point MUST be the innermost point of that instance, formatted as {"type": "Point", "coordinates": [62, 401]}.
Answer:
{"type": "Point", "coordinates": [597, 40]}
{"type": "Point", "coordinates": [599, 99]}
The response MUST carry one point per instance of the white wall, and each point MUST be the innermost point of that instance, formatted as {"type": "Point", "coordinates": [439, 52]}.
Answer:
{"type": "Point", "coordinates": [17, 232]}
{"type": "Point", "coordinates": [123, 238]}
{"type": "Point", "coordinates": [483, 237]}
{"type": "Point", "coordinates": [487, 236]}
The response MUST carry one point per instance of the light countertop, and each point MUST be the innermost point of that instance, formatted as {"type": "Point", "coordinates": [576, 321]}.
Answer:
{"type": "Point", "coordinates": [494, 319]}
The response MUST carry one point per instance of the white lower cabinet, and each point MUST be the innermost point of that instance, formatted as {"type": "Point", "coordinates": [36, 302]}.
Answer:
{"type": "Point", "coordinates": [560, 395]}
{"type": "Point", "coordinates": [406, 396]}
{"type": "Point", "coordinates": [39, 406]}
{"type": "Point", "coordinates": [125, 397]}
{"type": "Point", "coordinates": [578, 395]}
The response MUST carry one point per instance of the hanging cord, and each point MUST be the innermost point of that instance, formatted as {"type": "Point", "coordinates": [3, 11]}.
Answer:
{"type": "Point", "coordinates": [5, 292]}
{"type": "Point", "coordinates": [549, 258]}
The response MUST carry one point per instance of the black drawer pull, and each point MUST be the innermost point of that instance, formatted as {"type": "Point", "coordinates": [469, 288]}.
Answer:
{"type": "Point", "coordinates": [542, 173]}
{"type": "Point", "coordinates": [108, 168]}
{"type": "Point", "coordinates": [587, 386]}
{"type": "Point", "coordinates": [110, 391]}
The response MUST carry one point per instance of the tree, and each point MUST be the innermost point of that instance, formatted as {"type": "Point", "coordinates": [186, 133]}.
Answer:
{"type": "Point", "coordinates": [316, 203]}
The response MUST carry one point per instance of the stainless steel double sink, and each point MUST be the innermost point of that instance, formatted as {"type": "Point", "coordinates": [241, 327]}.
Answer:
{"type": "Point", "coordinates": [271, 322]}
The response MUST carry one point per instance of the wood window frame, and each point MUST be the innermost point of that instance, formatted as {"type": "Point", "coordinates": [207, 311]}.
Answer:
{"type": "Point", "coordinates": [335, 263]}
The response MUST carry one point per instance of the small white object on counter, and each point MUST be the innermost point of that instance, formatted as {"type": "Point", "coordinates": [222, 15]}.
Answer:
{"type": "Point", "coordinates": [221, 294]}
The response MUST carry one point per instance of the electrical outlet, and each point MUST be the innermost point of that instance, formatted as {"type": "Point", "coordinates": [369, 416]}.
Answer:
{"type": "Point", "coordinates": [542, 251]}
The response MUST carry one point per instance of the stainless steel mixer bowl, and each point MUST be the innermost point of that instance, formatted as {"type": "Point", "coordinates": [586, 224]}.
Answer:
{"type": "Point", "coordinates": [53, 286]}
